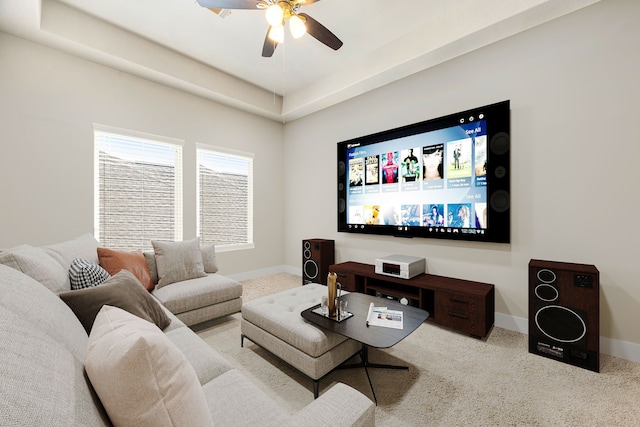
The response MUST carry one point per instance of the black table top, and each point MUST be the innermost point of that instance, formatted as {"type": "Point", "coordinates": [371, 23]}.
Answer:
{"type": "Point", "coordinates": [356, 327]}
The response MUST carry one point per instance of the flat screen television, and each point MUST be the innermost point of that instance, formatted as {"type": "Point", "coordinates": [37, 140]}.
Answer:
{"type": "Point", "coordinates": [443, 178]}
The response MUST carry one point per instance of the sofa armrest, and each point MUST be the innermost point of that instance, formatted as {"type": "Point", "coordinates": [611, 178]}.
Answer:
{"type": "Point", "coordinates": [341, 405]}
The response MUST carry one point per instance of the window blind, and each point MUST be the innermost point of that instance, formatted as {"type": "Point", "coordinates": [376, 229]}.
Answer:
{"type": "Point", "coordinates": [138, 188]}
{"type": "Point", "coordinates": [225, 198]}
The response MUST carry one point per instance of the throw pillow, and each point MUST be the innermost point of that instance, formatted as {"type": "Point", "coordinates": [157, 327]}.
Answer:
{"type": "Point", "coordinates": [81, 247]}
{"type": "Point", "coordinates": [85, 274]}
{"type": "Point", "coordinates": [150, 256]}
{"type": "Point", "coordinates": [140, 376]}
{"type": "Point", "coordinates": [114, 261]}
{"type": "Point", "coordinates": [177, 261]}
{"type": "Point", "coordinates": [209, 259]}
{"type": "Point", "coordinates": [37, 264]}
{"type": "Point", "coordinates": [122, 290]}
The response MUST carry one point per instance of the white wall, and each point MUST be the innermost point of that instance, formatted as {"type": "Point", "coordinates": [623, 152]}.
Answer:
{"type": "Point", "coordinates": [574, 91]}
{"type": "Point", "coordinates": [48, 103]}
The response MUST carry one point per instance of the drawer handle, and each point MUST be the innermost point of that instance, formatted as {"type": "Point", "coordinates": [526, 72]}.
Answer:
{"type": "Point", "coordinates": [460, 315]}
{"type": "Point", "coordinates": [464, 301]}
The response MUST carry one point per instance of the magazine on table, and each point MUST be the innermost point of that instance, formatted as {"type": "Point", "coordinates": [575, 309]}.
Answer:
{"type": "Point", "coordinates": [381, 316]}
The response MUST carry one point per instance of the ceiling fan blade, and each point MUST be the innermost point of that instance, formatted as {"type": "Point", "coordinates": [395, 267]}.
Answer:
{"type": "Point", "coordinates": [307, 2]}
{"type": "Point", "coordinates": [321, 33]}
{"type": "Point", "coordinates": [269, 46]}
{"type": "Point", "coordinates": [229, 4]}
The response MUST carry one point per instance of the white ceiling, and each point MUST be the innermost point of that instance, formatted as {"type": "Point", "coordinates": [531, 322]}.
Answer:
{"type": "Point", "coordinates": [180, 44]}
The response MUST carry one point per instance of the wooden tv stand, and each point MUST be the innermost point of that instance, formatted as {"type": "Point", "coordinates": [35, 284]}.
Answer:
{"type": "Point", "coordinates": [462, 305]}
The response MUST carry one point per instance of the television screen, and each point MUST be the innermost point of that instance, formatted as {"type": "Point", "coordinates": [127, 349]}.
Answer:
{"type": "Point", "coordinates": [445, 178]}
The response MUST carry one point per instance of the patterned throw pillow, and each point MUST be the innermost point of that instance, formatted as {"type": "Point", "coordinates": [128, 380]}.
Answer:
{"type": "Point", "coordinates": [85, 274]}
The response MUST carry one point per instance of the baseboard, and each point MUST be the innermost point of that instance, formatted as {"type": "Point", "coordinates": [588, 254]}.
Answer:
{"type": "Point", "coordinates": [616, 348]}
{"type": "Point", "coordinates": [253, 274]}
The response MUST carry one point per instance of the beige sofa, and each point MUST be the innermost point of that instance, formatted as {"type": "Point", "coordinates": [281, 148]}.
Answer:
{"type": "Point", "coordinates": [43, 347]}
{"type": "Point", "coordinates": [192, 300]}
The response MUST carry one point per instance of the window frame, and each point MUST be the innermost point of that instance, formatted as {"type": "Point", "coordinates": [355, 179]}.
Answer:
{"type": "Point", "coordinates": [175, 143]}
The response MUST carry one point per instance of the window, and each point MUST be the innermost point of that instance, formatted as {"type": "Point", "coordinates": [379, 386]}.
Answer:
{"type": "Point", "coordinates": [138, 188]}
{"type": "Point", "coordinates": [225, 198]}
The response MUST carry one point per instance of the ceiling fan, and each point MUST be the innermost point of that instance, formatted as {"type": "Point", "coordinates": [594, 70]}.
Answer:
{"type": "Point", "coordinates": [278, 12]}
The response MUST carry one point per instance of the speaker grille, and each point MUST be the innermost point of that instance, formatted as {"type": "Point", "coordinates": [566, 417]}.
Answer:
{"type": "Point", "coordinates": [310, 269]}
{"type": "Point", "coordinates": [546, 276]}
{"type": "Point", "coordinates": [546, 292]}
{"type": "Point", "coordinates": [499, 144]}
{"type": "Point", "coordinates": [561, 324]}
{"type": "Point", "coordinates": [500, 201]}
{"type": "Point", "coordinates": [342, 168]}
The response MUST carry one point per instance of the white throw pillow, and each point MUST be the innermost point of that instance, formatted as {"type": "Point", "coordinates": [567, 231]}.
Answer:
{"type": "Point", "coordinates": [140, 376]}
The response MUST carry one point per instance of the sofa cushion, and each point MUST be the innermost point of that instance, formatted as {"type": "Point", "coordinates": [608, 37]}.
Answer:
{"type": "Point", "coordinates": [84, 247]}
{"type": "Point", "coordinates": [85, 274]}
{"type": "Point", "coordinates": [122, 290]}
{"type": "Point", "coordinates": [141, 378]}
{"type": "Point", "coordinates": [37, 264]}
{"type": "Point", "coordinates": [236, 401]}
{"type": "Point", "coordinates": [113, 261]}
{"type": "Point", "coordinates": [177, 261]}
{"type": "Point", "coordinates": [38, 306]}
{"type": "Point", "coordinates": [206, 362]}
{"type": "Point", "coordinates": [209, 258]}
{"type": "Point", "coordinates": [150, 257]}
{"type": "Point", "coordinates": [42, 382]}
{"type": "Point", "coordinates": [196, 293]}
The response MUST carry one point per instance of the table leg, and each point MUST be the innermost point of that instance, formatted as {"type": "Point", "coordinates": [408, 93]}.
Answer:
{"type": "Point", "coordinates": [364, 357]}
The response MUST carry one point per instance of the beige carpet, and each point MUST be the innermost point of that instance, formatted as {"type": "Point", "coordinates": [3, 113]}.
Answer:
{"type": "Point", "coordinates": [453, 380]}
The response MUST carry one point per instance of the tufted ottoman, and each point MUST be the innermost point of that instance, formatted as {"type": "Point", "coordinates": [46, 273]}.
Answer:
{"type": "Point", "coordinates": [274, 323]}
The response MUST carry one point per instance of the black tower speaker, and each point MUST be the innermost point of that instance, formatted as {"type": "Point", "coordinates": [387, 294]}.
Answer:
{"type": "Point", "coordinates": [564, 312]}
{"type": "Point", "coordinates": [317, 256]}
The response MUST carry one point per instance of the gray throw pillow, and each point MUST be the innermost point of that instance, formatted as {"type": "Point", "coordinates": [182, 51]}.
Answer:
{"type": "Point", "coordinates": [177, 261]}
{"type": "Point", "coordinates": [150, 257]}
{"type": "Point", "coordinates": [85, 274]}
{"type": "Point", "coordinates": [122, 290]}
{"type": "Point", "coordinates": [37, 264]}
{"type": "Point", "coordinates": [209, 259]}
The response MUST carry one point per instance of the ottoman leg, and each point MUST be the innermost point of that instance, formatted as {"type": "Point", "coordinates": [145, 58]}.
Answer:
{"type": "Point", "coordinates": [316, 386]}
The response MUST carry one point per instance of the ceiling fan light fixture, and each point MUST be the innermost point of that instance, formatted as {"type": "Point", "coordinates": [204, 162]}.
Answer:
{"type": "Point", "coordinates": [297, 26]}
{"type": "Point", "coordinates": [275, 15]}
{"type": "Point", "coordinates": [276, 33]}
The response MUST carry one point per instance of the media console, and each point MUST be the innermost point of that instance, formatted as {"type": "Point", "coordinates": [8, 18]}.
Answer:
{"type": "Point", "coordinates": [462, 305]}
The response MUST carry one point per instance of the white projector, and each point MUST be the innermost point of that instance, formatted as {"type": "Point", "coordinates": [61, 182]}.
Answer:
{"type": "Point", "coordinates": [402, 266]}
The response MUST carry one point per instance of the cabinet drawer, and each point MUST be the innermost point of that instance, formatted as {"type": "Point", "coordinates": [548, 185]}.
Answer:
{"type": "Point", "coordinates": [347, 280]}
{"type": "Point", "coordinates": [457, 301]}
{"type": "Point", "coordinates": [457, 311]}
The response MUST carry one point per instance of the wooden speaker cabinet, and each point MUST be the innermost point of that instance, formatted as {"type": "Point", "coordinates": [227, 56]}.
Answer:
{"type": "Point", "coordinates": [564, 312]}
{"type": "Point", "coordinates": [317, 256]}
